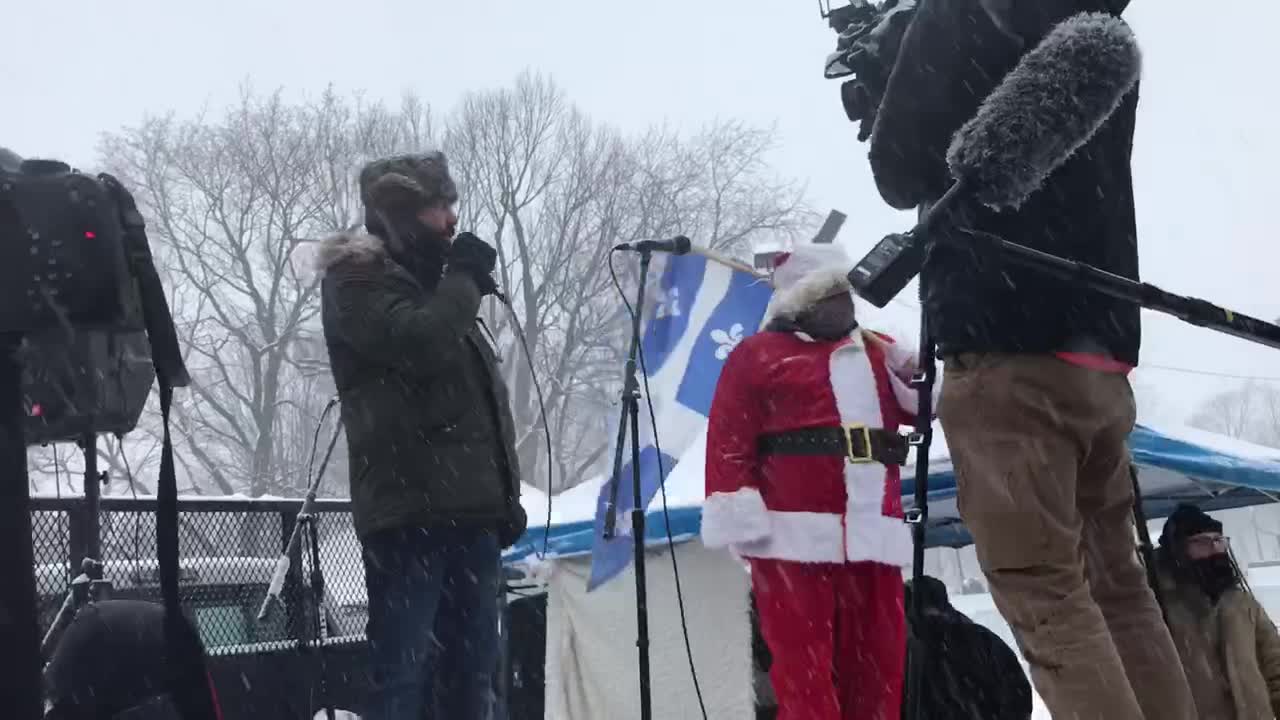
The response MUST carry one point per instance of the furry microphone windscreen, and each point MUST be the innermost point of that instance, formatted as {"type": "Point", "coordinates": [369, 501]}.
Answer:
{"type": "Point", "coordinates": [1045, 109]}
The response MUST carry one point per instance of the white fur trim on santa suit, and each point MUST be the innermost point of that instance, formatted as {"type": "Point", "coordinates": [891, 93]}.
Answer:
{"type": "Point", "coordinates": [798, 537]}
{"type": "Point", "coordinates": [869, 534]}
{"type": "Point", "coordinates": [734, 517]}
{"type": "Point", "coordinates": [881, 539]}
{"type": "Point", "coordinates": [741, 521]}
{"type": "Point", "coordinates": [807, 275]}
{"type": "Point", "coordinates": [802, 296]}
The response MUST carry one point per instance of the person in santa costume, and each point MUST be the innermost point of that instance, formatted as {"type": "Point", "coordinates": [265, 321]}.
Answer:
{"type": "Point", "coordinates": [803, 479]}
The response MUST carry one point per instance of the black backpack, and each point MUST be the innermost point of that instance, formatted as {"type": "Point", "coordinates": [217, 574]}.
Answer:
{"type": "Point", "coordinates": [78, 283]}
{"type": "Point", "coordinates": [63, 237]}
{"type": "Point", "coordinates": [95, 381]}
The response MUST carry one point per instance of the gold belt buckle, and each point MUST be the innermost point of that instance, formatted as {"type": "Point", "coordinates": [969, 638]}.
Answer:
{"type": "Point", "coordinates": [851, 431]}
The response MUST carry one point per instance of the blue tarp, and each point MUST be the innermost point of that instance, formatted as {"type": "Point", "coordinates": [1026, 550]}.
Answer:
{"type": "Point", "coordinates": [1211, 471]}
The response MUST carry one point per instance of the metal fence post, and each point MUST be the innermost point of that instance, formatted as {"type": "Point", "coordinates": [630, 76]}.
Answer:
{"type": "Point", "coordinates": [78, 532]}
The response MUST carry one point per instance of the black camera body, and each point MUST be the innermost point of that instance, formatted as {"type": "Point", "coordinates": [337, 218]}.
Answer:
{"type": "Point", "coordinates": [867, 49]}
{"type": "Point", "coordinates": [79, 286]}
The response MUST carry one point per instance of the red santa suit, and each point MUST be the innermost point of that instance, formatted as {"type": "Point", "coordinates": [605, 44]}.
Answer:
{"type": "Point", "coordinates": [824, 534]}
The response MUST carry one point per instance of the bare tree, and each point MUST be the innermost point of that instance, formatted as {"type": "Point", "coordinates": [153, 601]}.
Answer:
{"type": "Point", "coordinates": [1251, 413]}
{"type": "Point", "coordinates": [58, 469]}
{"type": "Point", "coordinates": [233, 200]}
{"type": "Point", "coordinates": [556, 192]}
{"type": "Point", "coordinates": [229, 202]}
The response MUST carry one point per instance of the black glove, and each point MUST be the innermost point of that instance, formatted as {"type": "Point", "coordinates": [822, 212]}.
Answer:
{"type": "Point", "coordinates": [513, 527]}
{"type": "Point", "coordinates": [475, 257]}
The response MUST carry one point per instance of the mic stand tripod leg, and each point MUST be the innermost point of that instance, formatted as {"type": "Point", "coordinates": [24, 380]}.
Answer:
{"type": "Point", "coordinates": [317, 598]}
{"type": "Point", "coordinates": [637, 541]}
{"type": "Point", "coordinates": [630, 419]}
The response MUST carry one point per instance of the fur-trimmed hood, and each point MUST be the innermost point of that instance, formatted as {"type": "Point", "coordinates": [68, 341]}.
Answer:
{"type": "Point", "coordinates": [805, 276]}
{"type": "Point", "coordinates": [349, 245]}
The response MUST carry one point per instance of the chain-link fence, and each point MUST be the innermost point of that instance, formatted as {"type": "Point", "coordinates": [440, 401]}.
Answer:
{"type": "Point", "coordinates": [228, 550]}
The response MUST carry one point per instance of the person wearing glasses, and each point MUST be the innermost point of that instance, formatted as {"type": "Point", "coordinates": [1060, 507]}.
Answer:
{"type": "Point", "coordinates": [1229, 647]}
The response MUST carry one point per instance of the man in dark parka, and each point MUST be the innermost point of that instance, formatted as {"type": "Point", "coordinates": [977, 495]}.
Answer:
{"type": "Point", "coordinates": [433, 471]}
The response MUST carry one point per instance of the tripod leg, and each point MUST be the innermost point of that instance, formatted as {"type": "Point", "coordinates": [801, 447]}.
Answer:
{"type": "Point", "coordinates": [916, 650]}
{"type": "Point", "coordinates": [615, 480]}
{"type": "Point", "coordinates": [637, 538]}
{"type": "Point", "coordinates": [1145, 549]}
{"type": "Point", "coordinates": [20, 682]}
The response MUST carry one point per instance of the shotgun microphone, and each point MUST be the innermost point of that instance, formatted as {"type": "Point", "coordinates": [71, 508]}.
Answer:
{"type": "Point", "coordinates": [1045, 109]}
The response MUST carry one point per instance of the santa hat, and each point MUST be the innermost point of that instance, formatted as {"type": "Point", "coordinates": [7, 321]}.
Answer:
{"type": "Point", "coordinates": [804, 276]}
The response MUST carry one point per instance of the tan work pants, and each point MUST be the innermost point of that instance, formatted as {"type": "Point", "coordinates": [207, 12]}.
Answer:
{"type": "Point", "coordinates": [1042, 468]}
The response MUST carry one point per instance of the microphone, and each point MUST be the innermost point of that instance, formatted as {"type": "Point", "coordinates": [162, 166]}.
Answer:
{"type": "Point", "coordinates": [1045, 109]}
{"type": "Point", "coordinates": [678, 245]}
{"type": "Point", "coordinates": [1050, 105]}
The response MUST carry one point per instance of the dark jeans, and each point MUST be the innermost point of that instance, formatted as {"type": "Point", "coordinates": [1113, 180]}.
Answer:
{"type": "Point", "coordinates": [433, 622]}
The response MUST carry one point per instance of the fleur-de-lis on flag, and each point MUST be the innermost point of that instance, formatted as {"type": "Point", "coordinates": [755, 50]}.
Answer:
{"type": "Point", "coordinates": [727, 341]}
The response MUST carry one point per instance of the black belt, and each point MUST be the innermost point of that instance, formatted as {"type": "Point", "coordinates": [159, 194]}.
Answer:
{"type": "Point", "coordinates": [858, 443]}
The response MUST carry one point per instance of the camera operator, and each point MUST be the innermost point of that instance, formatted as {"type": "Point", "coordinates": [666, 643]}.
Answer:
{"type": "Point", "coordinates": [433, 471]}
{"type": "Point", "coordinates": [1036, 403]}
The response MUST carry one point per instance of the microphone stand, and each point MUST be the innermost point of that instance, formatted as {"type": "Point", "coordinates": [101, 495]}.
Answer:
{"type": "Point", "coordinates": [90, 585]}
{"type": "Point", "coordinates": [306, 518]}
{"type": "Point", "coordinates": [317, 599]}
{"type": "Point", "coordinates": [630, 413]}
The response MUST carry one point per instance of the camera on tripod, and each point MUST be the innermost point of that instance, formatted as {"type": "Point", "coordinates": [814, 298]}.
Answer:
{"type": "Point", "coordinates": [79, 286]}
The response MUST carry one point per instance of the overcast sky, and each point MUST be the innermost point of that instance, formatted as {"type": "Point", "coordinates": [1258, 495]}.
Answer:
{"type": "Point", "coordinates": [1206, 148]}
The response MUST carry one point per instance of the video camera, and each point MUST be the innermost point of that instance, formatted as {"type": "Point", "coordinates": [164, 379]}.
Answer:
{"type": "Point", "coordinates": [79, 285]}
{"type": "Point", "coordinates": [867, 48]}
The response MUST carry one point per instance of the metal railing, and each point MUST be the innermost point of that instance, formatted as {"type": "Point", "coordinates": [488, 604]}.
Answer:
{"type": "Point", "coordinates": [228, 550]}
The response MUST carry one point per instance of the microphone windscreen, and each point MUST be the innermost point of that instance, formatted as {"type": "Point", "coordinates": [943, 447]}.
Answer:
{"type": "Point", "coordinates": [1046, 108]}
{"type": "Point", "coordinates": [681, 245]}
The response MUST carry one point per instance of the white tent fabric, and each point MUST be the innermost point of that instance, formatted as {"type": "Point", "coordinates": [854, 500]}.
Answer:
{"type": "Point", "coordinates": [591, 653]}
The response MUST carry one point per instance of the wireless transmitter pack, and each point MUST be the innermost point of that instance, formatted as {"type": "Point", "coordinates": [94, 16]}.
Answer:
{"type": "Point", "coordinates": [885, 271]}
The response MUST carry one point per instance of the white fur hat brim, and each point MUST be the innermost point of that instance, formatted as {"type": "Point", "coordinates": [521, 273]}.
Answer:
{"type": "Point", "coordinates": [811, 274]}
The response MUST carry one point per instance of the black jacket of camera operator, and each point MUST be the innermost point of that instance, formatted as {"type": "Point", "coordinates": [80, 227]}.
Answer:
{"type": "Point", "coordinates": [952, 56]}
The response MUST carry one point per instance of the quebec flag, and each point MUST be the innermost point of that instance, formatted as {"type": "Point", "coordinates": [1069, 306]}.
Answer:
{"type": "Point", "coordinates": [701, 310]}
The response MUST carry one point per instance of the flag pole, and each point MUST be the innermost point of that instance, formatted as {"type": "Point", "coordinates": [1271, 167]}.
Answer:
{"type": "Point", "coordinates": [730, 263]}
